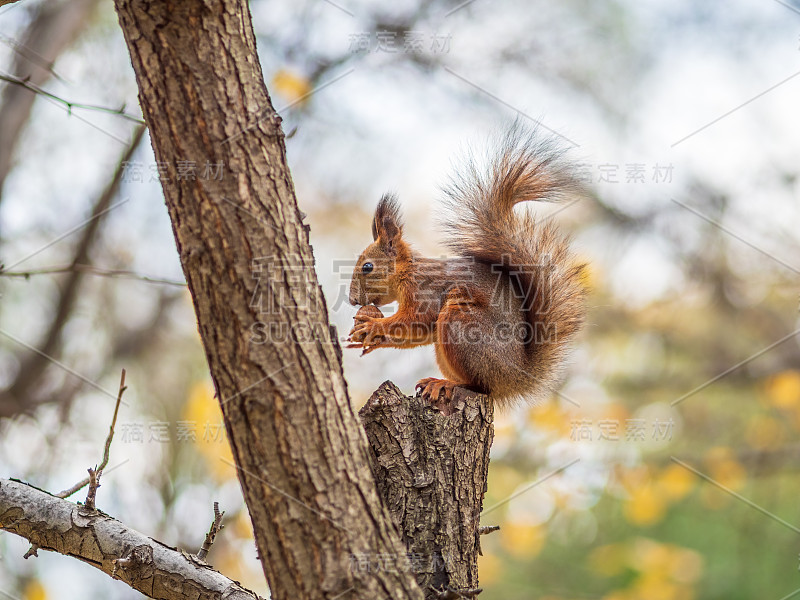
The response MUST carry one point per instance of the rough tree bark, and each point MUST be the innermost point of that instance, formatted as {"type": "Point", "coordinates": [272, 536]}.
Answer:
{"type": "Point", "coordinates": [431, 470]}
{"type": "Point", "coordinates": [300, 452]}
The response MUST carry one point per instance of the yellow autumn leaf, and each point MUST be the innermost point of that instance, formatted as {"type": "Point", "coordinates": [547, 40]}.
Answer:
{"type": "Point", "coordinates": [764, 432]}
{"type": "Point", "coordinates": [490, 568]}
{"type": "Point", "coordinates": [714, 498]}
{"type": "Point", "coordinates": [34, 590]}
{"type": "Point", "coordinates": [646, 506]}
{"type": "Point", "coordinates": [561, 499]}
{"type": "Point", "coordinates": [522, 540]}
{"type": "Point", "coordinates": [231, 562]}
{"type": "Point", "coordinates": [609, 560]}
{"type": "Point", "coordinates": [665, 571]}
{"type": "Point", "coordinates": [618, 595]}
{"type": "Point", "coordinates": [783, 389]}
{"type": "Point", "coordinates": [683, 592]}
{"type": "Point", "coordinates": [654, 586]}
{"type": "Point", "coordinates": [633, 478]}
{"type": "Point", "coordinates": [686, 566]}
{"type": "Point", "coordinates": [650, 556]}
{"type": "Point", "coordinates": [617, 412]}
{"type": "Point", "coordinates": [718, 453]}
{"type": "Point", "coordinates": [676, 481]}
{"type": "Point", "coordinates": [203, 412]}
{"type": "Point", "coordinates": [293, 87]}
{"type": "Point", "coordinates": [243, 525]}
{"type": "Point", "coordinates": [724, 469]}
{"type": "Point", "coordinates": [502, 481]}
{"type": "Point", "coordinates": [504, 427]}
{"type": "Point", "coordinates": [550, 416]}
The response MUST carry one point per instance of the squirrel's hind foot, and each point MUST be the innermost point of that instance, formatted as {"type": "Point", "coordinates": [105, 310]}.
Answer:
{"type": "Point", "coordinates": [431, 388]}
{"type": "Point", "coordinates": [439, 392]}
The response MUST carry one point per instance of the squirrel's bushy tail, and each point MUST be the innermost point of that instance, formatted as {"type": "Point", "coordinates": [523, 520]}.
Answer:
{"type": "Point", "coordinates": [481, 224]}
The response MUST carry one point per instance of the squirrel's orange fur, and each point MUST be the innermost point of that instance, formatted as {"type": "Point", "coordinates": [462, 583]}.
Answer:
{"type": "Point", "coordinates": [503, 313]}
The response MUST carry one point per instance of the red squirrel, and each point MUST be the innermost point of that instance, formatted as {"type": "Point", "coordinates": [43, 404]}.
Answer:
{"type": "Point", "coordinates": [504, 311]}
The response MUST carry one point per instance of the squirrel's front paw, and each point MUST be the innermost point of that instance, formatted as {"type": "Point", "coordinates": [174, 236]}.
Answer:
{"type": "Point", "coordinates": [364, 333]}
{"type": "Point", "coordinates": [367, 335]}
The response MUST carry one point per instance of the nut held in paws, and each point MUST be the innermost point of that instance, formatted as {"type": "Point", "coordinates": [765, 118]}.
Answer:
{"type": "Point", "coordinates": [370, 310]}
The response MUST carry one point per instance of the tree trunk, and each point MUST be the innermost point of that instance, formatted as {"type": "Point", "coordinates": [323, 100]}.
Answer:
{"type": "Point", "coordinates": [431, 470]}
{"type": "Point", "coordinates": [300, 452]}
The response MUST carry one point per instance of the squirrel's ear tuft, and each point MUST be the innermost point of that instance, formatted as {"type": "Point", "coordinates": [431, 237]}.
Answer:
{"type": "Point", "coordinates": [387, 224]}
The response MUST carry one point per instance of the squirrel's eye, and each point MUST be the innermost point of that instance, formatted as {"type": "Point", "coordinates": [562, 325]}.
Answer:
{"type": "Point", "coordinates": [367, 268]}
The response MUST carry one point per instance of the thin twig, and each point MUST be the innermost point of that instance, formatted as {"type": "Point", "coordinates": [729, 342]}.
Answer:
{"type": "Point", "coordinates": [94, 483]}
{"type": "Point", "coordinates": [70, 105]}
{"type": "Point", "coordinates": [99, 470]}
{"type": "Point", "coordinates": [91, 270]}
{"type": "Point", "coordinates": [30, 55]}
{"type": "Point", "coordinates": [484, 529]}
{"type": "Point", "coordinates": [216, 527]}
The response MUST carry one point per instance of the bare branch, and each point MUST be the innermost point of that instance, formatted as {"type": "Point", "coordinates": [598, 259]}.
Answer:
{"type": "Point", "coordinates": [94, 474]}
{"type": "Point", "coordinates": [147, 565]}
{"type": "Point", "coordinates": [91, 270]}
{"type": "Point", "coordinates": [106, 450]}
{"type": "Point", "coordinates": [30, 55]}
{"type": "Point", "coordinates": [216, 527]}
{"type": "Point", "coordinates": [52, 30]}
{"type": "Point", "coordinates": [120, 112]}
{"type": "Point", "coordinates": [94, 483]}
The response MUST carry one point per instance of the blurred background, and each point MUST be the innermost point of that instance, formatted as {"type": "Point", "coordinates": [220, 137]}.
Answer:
{"type": "Point", "coordinates": [666, 468]}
